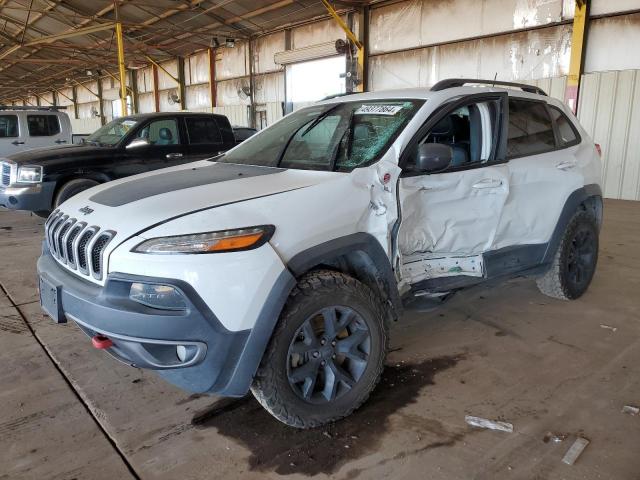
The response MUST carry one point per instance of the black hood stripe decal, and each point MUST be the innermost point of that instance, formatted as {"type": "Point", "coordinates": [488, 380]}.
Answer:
{"type": "Point", "coordinates": [152, 185]}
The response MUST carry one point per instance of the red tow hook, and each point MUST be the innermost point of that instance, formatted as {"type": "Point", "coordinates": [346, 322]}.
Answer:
{"type": "Point", "coordinates": [101, 342]}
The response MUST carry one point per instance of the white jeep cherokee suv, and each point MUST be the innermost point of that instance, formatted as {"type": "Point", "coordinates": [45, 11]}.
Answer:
{"type": "Point", "coordinates": [277, 266]}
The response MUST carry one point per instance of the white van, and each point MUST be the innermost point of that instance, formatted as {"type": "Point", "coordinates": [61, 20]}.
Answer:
{"type": "Point", "coordinates": [25, 128]}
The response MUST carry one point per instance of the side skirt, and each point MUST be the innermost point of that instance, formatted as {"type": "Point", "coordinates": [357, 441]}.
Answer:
{"type": "Point", "coordinates": [498, 264]}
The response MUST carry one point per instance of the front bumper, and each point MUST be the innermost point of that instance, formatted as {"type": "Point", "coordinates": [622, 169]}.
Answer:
{"type": "Point", "coordinates": [35, 198]}
{"type": "Point", "coordinates": [218, 361]}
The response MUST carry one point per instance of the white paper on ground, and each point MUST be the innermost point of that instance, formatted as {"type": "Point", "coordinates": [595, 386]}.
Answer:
{"type": "Point", "coordinates": [490, 424]}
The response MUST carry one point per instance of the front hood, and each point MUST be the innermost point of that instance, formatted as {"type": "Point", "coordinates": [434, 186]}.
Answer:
{"type": "Point", "coordinates": [39, 156]}
{"type": "Point", "coordinates": [134, 204]}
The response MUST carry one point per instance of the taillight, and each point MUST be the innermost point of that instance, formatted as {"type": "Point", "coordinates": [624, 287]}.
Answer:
{"type": "Point", "coordinates": [599, 149]}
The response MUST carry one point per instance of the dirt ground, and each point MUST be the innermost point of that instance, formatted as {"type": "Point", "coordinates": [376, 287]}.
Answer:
{"type": "Point", "coordinates": [504, 353]}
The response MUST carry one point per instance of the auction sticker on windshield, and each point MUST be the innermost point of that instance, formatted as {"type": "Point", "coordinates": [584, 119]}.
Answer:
{"type": "Point", "coordinates": [378, 109]}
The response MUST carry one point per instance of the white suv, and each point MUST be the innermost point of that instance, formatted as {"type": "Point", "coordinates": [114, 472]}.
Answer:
{"type": "Point", "coordinates": [278, 265]}
{"type": "Point", "coordinates": [26, 128]}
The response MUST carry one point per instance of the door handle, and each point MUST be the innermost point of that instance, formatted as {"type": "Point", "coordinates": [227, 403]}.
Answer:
{"type": "Point", "coordinates": [488, 183]}
{"type": "Point", "coordinates": [60, 141]}
{"type": "Point", "coordinates": [171, 156]}
{"type": "Point", "coordinates": [16, 142]}
{"type": "Point", "coordinates": [566, 165]}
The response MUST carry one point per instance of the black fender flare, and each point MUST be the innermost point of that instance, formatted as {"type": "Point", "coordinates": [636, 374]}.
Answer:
{"type": "Point", "coordinates": [577, 198]}
{"type": "Point", "coordinates": [363, 242]}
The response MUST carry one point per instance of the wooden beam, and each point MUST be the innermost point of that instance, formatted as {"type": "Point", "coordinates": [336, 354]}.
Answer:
{"type": "Point", "coordinates": [259, 11]}
{"type": "Point", "coordinates": [211, 56]}
{"type": "Point", "coordinates": [182, 89]}
{"type": "Point", "coordinates": [156, 95]}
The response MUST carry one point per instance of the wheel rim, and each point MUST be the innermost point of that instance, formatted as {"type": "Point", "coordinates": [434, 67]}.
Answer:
{"type": "Point", "coordinates": [580, 258]}
{"type": "Point", "coordinates": [328, 354]}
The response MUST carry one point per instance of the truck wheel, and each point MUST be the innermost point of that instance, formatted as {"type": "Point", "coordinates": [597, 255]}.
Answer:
{"type": "Point", "coordinates": [326, 354]}
{"type": "Point", "coordinates": [575, 261]}
{"type": "Point", "coordinates": [71, 188]}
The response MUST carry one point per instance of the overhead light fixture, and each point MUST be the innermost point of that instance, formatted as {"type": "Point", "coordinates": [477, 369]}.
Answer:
{"type": "Point", "coordinates": [230, 42]}
{"type": "Point", "coordinates": [215, 43]}
{"type": "Point", "coordinates": [89, 73]}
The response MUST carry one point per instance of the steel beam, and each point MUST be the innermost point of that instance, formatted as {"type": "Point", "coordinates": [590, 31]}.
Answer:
{"type": "Point", "coordinates": [352, 37]}
{"type": "Point", "coordinates": [576, 63]}
{"type": "Point", "coordinates": [121, 68]}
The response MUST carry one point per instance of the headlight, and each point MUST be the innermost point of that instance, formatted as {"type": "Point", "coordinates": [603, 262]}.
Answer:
{"type": "Point", "coordinates": [164, 297]}
{"type": "Point", "coordinates": [29, 174]}
{"type": "Point", "coordinates": [212, 242]}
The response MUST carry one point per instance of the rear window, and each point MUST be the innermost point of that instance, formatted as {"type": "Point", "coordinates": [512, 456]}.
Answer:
{"type": "Point", "coordinates": [8, 126]}
{"type": "Point", "coordinates": [203, 130]}
{"type": "Point", "coordinates": [566, 130]}
{"type": "Point", "coordinates": [530, 129]}
{"type": "Point", "coordinates": [43, 125]}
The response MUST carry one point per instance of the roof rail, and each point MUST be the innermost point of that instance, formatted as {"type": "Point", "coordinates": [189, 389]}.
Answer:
{"type": "Point", "coordinates": [336, 95]}
{"type": "Point", "coordinates": [51, 108]}
{"type": "Point", "coordinates": [459, 82]}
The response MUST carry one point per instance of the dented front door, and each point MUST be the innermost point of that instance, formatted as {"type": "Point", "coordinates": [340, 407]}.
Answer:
{"type": "Point", "coordinates": [449, 220]}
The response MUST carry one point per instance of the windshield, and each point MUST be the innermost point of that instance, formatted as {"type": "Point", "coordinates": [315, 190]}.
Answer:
{"type": "Point", "coordinates": [112, 132]}
{"type": "Point", "coordinates": [337, 137]}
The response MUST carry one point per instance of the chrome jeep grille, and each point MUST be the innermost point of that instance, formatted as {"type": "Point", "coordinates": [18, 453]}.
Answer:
{"type": "Point", "coordinates": [5, 174]}
{"type": "Point", "coordinates": [75, 244]}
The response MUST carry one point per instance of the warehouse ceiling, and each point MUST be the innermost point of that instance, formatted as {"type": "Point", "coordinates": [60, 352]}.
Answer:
{"type": "Point", "coordinates": [81, 34]}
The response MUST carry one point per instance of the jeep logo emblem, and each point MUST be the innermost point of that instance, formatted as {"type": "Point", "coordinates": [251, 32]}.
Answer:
{"type": "Point", "coordinates": [86, 210]}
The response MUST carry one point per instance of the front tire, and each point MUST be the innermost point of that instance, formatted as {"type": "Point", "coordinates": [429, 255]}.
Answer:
{"type": "Point", "coordinates": [326, 354]}
{"type": "Point", "coordinates": [71, 188]}
{"type": "Point", "coordinates": [575, 261]}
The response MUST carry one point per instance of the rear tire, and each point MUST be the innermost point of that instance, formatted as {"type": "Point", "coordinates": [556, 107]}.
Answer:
{"type": "Point", "coordinates": [72, 188]}
{"type": "Point", "coordinates": [326, 354]}
{"type": "Point", "coordinates": [575, 261]}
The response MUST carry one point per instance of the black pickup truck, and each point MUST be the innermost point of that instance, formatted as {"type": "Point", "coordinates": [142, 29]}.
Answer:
{"type": "Point", "coordinates": [39, 180]}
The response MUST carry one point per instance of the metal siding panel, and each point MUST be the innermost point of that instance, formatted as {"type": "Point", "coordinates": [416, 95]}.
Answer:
{"type": "Point", "coordinates": [630, 189]}
{"type": "Point", "coordinates": [601, 53]}
{"type": "Point", "coordinates": [602, 131]}
{"type": "Point", "coordinates": [619, 135]}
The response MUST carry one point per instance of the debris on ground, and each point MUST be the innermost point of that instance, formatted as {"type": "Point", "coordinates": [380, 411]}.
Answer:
{"type": "Point", "coordinates": [575, 451]}
{"type": "Point", "coordinates": [554, 437]}
{"type": "Point", "coordinates": [630, 410]}
{"type": "Point", "coordinates": [490, 424]}
{"type": "Point", "coordinates": [608, 327]}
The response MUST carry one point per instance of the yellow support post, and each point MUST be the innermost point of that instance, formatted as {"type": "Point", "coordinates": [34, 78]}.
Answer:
{"type": "Point", "coordinates": [580, 19]}
{"type": "Point", "coordinates": [352, 37]}
{"type": "Point", "coordinates": [121, 67]}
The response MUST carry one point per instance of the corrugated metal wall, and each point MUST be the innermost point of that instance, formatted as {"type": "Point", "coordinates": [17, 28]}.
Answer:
{"type": "Point", "coordinates": [609, 109]}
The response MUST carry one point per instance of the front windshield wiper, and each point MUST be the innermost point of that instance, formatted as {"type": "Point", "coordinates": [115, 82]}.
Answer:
{"type": "Point", "coordinates": [318, 119]}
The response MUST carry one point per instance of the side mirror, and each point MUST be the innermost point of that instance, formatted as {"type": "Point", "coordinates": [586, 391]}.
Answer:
{"type": "Point", "coordinates": [433, 157]}
{"type": "Point", "coordinates": [138, 142]}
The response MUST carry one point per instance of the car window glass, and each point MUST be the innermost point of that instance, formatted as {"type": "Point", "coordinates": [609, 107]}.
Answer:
{"type": "Point", "coordinates": [203, 130]}
{"type": "Point", "coordinates": [112, 132]}
{"type": "Point", "coordinates": [566, 130]}
{"type": "Point", "coordinates": [468, 130]}
{"type": "Point", "coordinates": [308, 149]}
{"type": "Point", "coordinates": [530, 129]}
{"type": "Point", "coordinates": [161, 132]}
{"type": "Point", "coordinates": [8, 126]}
{"type": "Point", "coordinates": [43, 125]}
{"type": "Point", "coordinates": [340, 136]}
